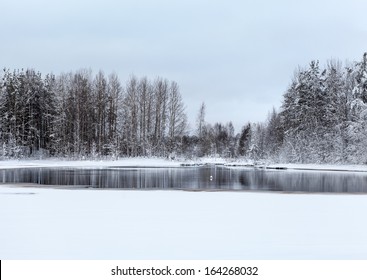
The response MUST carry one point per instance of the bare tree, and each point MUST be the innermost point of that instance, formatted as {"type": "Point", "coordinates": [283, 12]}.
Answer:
{"type": "Point", "coordinates": [144, 94]}
{"type": "Point", "coordinates": [100, 97]}
{"type": "Point", "coordinates": [114, 94]}
{"type": "Point", "coordinates": [131, 111]}
{"type": "Point", "coordinates": [160, 107]}
{"type": "Point", "coordinates": [177, 120]}
{"type": "Point", "coordinates": [200, 121]}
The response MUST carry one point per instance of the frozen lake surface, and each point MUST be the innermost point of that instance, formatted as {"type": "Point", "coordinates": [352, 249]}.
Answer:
{"type": "Point", "coordinates": [191, 178]}
{"type": "Point", "coordinates": [91, 223]}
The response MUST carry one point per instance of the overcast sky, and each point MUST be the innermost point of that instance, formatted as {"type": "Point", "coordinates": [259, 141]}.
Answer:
{"type": "Point", "coordinates": [236, 56]}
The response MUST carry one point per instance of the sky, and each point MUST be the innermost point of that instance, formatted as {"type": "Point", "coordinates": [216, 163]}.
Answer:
{"type": "Point", "coordinates": [237, 56]}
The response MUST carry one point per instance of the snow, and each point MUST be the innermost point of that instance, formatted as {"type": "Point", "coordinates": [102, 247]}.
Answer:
{"type": "Point", "coordinates": [162, 162]}
{"type": "Point", "coordinates": [124, 162]}
{"type": "Point", "coordinates": [39, 223]}
{"type": "Point", "coordinates": [299, 166]}
{"type": "Point", "coordinates": [320, 167]}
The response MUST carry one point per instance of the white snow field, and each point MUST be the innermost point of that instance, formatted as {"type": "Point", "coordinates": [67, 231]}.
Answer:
{"type": "Point", "coordinates": [39, 223]}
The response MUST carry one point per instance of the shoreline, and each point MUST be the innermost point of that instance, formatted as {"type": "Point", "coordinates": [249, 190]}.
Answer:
{"type": "Point", "coordinates": [166, 163]}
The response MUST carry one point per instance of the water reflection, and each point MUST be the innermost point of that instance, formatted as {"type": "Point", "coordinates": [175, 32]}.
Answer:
{"type": "Point", "coordinates": [192, 178]}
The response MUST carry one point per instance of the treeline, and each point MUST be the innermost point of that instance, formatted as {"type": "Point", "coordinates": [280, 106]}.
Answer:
{"type": "Point", "coordinates": [324, 114]}
{"type": "Point", "coordinates": [78, 115]}
{"type": "Point", "coordinates": [323, 118]}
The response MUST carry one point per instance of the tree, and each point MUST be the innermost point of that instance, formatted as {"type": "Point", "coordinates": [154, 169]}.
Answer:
{"type": "Point", "coordinates": [83, 114]}
{"type": "Point", "coordinates": [274, 135]}
{"type": "Point", "coordinates": [62, 124]}
{"type": "Point", "coordinates": [9, 107]}
{"type": "Point", "coordinates": [75, 115]}
{"type": "Point", "coordinates": [131, 117]}
{"type": "Point", "coordinates": [100, 114]}
{"type": "Point", "coordinates": [204, 133]}
{"type": "Point", "coordinates": [177, 120]}
{"type": "Point", "coordinates": [48, 108]}
{"type": "Point", "coordinates": [360, 90]}
{"type": "Point", "coordinates": [160, 89]}
{"type": "Point", "coordinates": [144, 94]}
{"type": "Point", "coordinates": [244, 141]}
{"type": "Point", "coordinates": [114, 95]}
{"type": "Point", "coordinates": [232, 141]}
{"type": "Point", "coordinates": [200, 121]}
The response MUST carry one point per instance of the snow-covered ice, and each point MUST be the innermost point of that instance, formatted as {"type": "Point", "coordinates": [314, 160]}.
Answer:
{"type": "Point", "coordinates": [39, 223]}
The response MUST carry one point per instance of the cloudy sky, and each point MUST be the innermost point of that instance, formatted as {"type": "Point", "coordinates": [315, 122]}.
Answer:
{"type": "Point", "coordinates": [236, 56]}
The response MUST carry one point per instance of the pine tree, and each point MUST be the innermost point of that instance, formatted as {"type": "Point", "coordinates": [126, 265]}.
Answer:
{"type": "Point", "coordinates": [244, 141]}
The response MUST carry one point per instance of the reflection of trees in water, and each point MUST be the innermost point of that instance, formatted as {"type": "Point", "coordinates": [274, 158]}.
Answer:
{"type": "Point", "coordinates": [205, 178]}
{"type": "Point", "coordinates": [294, 181]}
{"type": "Point", "coordinates": [258, 180]}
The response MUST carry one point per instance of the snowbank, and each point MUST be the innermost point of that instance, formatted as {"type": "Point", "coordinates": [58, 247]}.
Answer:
{"type": "Point", "coordinates": [136, 162]}
{"type": "Point", "coordinates": [162, 162]}
{"type": "Point", "coordinates": [107, 224]}
{"type": "Point", "coordinates": [294, 166]}
{"type": "Point", "coordinates": [320, 167]}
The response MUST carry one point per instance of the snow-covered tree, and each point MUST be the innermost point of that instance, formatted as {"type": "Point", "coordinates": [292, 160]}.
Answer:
{"type": "Point", "coordinates": [200, 121]}
{"type": "Point", "coordinates": [177, 119]}
{"type": "Point", "coordinates": [244, 141]}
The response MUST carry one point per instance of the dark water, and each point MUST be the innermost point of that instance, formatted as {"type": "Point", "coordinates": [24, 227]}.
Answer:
{"type": "Point", "coordinates": [192, 178]}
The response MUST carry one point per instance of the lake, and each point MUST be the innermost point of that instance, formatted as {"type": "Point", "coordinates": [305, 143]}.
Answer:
{"type": "Point", "coordinates": [203, 178]}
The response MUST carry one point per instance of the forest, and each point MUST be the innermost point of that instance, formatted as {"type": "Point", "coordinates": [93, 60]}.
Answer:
{"type": "Point", "coordinates": [322, 119]}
